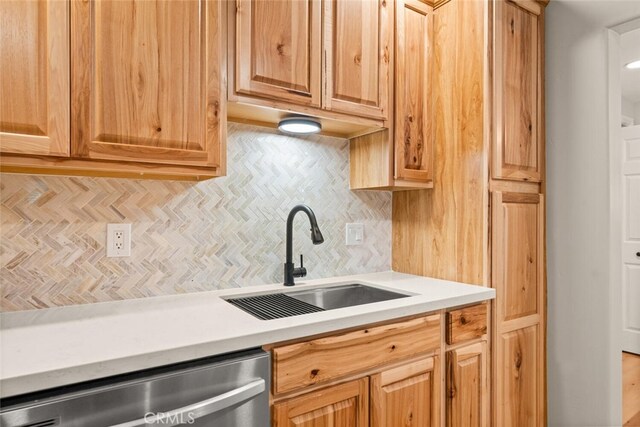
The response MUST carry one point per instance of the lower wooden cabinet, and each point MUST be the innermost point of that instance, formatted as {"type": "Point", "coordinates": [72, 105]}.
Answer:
{"type": "Point", "coordinates": [407, 396]}
{"type": "Point", "coordinates": [467, 392]}
{"type": "Point", "coordinates": [343, 405]}
{"type": "Point", "coordinates": [328, 359]}
{"type": "Point", "coordinates": [520, 378]}
{"type": "Point", "coordinates": [374, 376]}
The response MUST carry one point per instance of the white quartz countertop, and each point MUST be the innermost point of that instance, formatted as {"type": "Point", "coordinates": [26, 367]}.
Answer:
{"type": "Point", "coordinates": [41, 349]}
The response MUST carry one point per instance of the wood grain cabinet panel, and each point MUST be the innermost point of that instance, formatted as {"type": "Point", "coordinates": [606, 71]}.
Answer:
{"type": "Point", "coordinates": [519, 386]}
{"type": "Point", "coordinates": [322, 359]}
{"type": "Point", "coordinates": [146, 81]}
{"type": "Point", "coordinates": [344, 405]}
{"type": "Point", "coordinates": [402, 156]}
{"type": "Point", "coordinates": [466, 323]}
{"type": "Point", "coordinates": [407, 396]}
{"type": "Point", "coordinates": [518, 148]}
{"type": "Point", "coordinates": [34, 77]}
{"type": "Point", "coordinates": [413, 133]}
{"type": "Point", "coordinates": [278, 49]}
{"type": "Point", "coordinates": [518, 277]}
{"type": "Point", "coordinates": [357, 56]}
{"type": "Point", "coordinates": [467, 389]}
{"type": "Point", "coordinates": [518, 259]}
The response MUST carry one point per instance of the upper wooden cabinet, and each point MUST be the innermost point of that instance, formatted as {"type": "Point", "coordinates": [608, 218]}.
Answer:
{"type": "Point", "coordinates": [329, 59]}
{"type": "Point", "coordinates": [128, 88]}
{"type": "Point", "coordinates": [357, 55]}
{"type": "Point", "coordinates": [401, 157]}
{"type": "Point", "coordinates": [412, 124]}
{"type": "Point", "coordinates": [517, 151]}
{"type": "Point", "coordinates": [146, 84]}
{"type": "Point", "coordinates": [278, 49]}
{"type": "Point", "coordinates": [34, 77]}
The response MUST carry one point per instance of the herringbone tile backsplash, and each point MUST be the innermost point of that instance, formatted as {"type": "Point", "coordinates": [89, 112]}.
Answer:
{"type": "Point", "coordinates": [221, 233]}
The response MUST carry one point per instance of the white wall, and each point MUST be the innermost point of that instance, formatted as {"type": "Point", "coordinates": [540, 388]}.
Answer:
{"type": "Point", "coordinates": [581, 360]}
{"type": "Point", "coordinates": [636, 113]}
{"type": "Point", "coordinates": [628, 109]}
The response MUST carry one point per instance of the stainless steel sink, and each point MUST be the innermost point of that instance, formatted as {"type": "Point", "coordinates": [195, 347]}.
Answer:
{"type": "Point", "coordinates": [333, 297]}
{"type": "Point", "coordinates": [277, 305]}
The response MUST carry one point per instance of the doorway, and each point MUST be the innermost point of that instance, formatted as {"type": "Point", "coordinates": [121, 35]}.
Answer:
{"type": "Point", "coordinates": [625, 210]}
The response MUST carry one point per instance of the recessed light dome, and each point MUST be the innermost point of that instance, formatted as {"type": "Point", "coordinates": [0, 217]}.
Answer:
{"type": "Point", "coordinates": [634, 65]}
{"type": "Point", "coordinates": [299, 125]}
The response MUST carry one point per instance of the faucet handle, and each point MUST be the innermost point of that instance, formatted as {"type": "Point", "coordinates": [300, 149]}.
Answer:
{"type": "Point", "coordinates": [300, 271]}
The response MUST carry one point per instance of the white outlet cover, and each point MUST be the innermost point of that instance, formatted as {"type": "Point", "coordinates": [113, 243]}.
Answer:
{"type": "Point", "coordinates": [118, 246]}
{"type": "Point", "coordinates": [354, 234]}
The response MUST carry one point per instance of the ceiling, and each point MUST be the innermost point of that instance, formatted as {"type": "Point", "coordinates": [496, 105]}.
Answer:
{"type": "Point", "coordinates": [600, 13]}
{"type": "Point", "coordinates": [621, 15]}
{"type": "Point", "coordinates": [630, 79]}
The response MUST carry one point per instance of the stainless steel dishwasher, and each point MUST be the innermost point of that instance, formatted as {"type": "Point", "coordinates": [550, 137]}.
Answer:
{"type": "Point", "coordinates": [229, 391]}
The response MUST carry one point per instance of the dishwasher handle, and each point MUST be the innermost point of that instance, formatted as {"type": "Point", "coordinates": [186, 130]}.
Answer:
{"type": "Point", "coordinates": [200, 409]}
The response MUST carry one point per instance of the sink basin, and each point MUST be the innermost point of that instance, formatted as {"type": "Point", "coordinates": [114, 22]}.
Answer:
{"type": "Point", "coordinates": [277, 305]}
{"type": "Point", "coordinates": [333, 297]}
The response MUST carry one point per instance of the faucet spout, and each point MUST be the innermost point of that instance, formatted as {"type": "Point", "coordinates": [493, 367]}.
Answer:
{"type": "Point", "coordinates": [290, 271]}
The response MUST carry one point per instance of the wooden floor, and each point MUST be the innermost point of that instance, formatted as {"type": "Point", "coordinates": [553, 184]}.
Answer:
{"type": "Point", "coordinates": [630, 389]}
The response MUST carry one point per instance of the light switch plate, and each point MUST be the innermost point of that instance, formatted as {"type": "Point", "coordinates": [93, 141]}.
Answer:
{"type": "Point", "coordinates": [354, 234]}
{"type": "Point", "coordinates": [118, 240]}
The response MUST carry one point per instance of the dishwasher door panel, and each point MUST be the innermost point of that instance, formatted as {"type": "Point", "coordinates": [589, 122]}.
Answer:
{"type": "Point", "coordinates": [233, 392]}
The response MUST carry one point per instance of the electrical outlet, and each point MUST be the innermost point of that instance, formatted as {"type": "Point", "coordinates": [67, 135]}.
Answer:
{"type": "Point", "coordinates": [118, 240]}
{"type": "Point", "coordinates": [354, 234]}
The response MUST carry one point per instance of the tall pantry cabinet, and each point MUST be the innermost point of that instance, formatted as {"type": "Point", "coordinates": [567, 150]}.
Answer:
{"type": "Point", "coordinates": [484, 220]}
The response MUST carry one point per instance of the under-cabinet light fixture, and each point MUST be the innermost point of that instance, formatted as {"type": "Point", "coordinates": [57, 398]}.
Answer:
{"type": "Point", "coordinates": [299, 125]}
{"type": "Point", "coordinates": [633, 65]}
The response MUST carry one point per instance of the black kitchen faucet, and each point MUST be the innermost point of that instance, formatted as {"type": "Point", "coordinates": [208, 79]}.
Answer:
{"type": "Point", "coordinates": [290, 270]}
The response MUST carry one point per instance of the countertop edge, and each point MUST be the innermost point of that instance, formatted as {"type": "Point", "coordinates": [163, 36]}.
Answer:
{"type": "Point", "coordinates": [39, 381]}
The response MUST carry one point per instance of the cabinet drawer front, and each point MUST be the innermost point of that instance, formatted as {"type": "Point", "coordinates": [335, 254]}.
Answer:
{"type": "Point", "coordinates": [466, 323]}
{"type": "Point", "coordinates": [323, 359]}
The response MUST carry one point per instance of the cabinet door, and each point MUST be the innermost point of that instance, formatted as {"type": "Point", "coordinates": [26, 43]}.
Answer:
{"type": "Point", "coordinates": [357, 56]}
{"type": "Point", "coordinates": [278, 49]}
{"type": "Point", "coordinates": [520, 382]}
{"type": "Point", "coordinates": [518, 277]}
{"type": "Point", "coordinates": [34, 77]}
{"type": "Point", "coordinates": [517, 153]}
{"type": "Point", "coordinates": [146, 81]}
{"type": "Point", "coordinates": [407, 396]}
{"type": "Point", "coordinates": [344, 405]}
{"type": "Point", "coordinates": [518, 255]}
{"type": "Point", "coordinates": [467, 386]}
{"type": "Point", "coordinates": [413, 137]}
